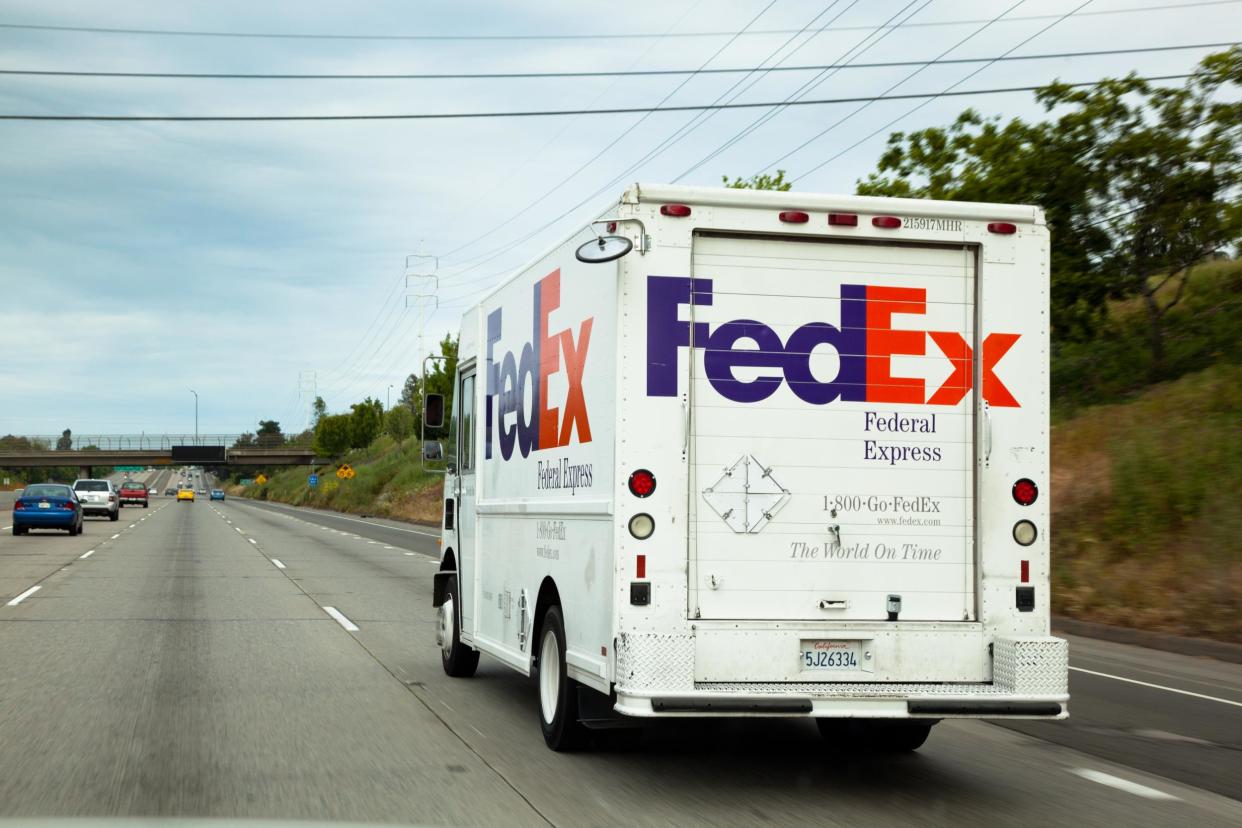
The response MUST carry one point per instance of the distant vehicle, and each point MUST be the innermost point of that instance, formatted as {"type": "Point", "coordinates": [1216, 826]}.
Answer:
{"type": "Point", "coordinates": [132, 492]}
{"type": "Point", "coordinates": [152, 492]}
{"type": "Point", "coordinates": [170, 492]}
{"type": "Point", "coordinates": [217, 494]}
{"type": "Point", "coordinates": [185, 494]}
{"type": "Point", "coordinates": [844, 402]}
{"type": "Point", "coordinates": [202, 491]}
{"type": "Point", "coordinates": [47, 506]}
{"type": "Point", "coordinates": [98, 497]}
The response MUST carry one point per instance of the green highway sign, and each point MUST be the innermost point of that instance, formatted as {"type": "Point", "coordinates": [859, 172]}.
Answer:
{"type": "Point", "coordinates": [129, 468]}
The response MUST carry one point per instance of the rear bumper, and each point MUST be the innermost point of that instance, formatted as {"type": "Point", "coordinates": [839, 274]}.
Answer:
{"type": "Point", "coordinates": [1029, 679]}
{"type": "Point", "coordinates": [134, 500]}
{"type": "Point", "coordinates": [44, 520]}
{"type": "Point", "coordinates": [97, 510]}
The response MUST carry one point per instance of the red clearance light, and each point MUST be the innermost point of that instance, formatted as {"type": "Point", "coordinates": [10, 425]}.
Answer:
{"type": "Point", "coordinates": [794, 217]}
{"type": "Point", "coordinates": [1026, 572]}
{"type": "Point", "coordinates": [886, 222]}
{"type": "Point", "coordinates": [640, 566]}
{"type": "Point", "coordinates": [612, 227]}
{"type": "Point", "coordinates": [679, 210]}
{"type": "Point", "coordinates": [642, 483]}
{"type": "Point", "coordinates": [842, 220]}
{"type": "Point", "coordinates": [1004, 228]}
{"type": "Point", "coordinates": [1025, 492]}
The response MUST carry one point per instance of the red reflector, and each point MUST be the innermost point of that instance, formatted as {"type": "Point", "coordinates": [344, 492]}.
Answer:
{"type": "Point", "coordinates": [1025, 492]}
{"type": "Point", "coordinates": [1026, 572]}
{"type": "Point", "coordinates": [794, 217]}
{"type": "Point", "coordinates": [642, 483]}
{"type": "Point", "coordinates": [886, 222]}
{"type": "Point", "coordinates": [641, 566]}
{"type": "Point", "coordinates": [612, 227]}
{"type": "Point", "coordinates": [674, 210]}
{"type": "Point", "coordinates": [1002, 227]}
{"type": "Point", "coordinates": [842, 220]}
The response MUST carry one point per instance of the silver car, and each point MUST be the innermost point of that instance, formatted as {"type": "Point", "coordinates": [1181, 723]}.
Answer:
{"type": "Point", "coordinates": [98, 497]}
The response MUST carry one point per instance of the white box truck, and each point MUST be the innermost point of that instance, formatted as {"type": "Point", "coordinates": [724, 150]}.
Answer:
{"type": "Point", "coordinates": [737, 453]}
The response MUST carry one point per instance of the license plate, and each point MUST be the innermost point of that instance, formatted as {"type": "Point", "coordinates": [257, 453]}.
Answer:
{"type": "Point", "coordinates": [45, 505]}
{"type": "Point", "coordinates": [842, 656]}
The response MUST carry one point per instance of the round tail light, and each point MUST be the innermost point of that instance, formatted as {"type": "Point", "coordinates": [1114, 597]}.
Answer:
{"type": "Point", "coordinates": [1024, 532]}
{"type": "Point", "coordinates": [1025, 492]}
{"type": "Point", "coordinates": [642, 525]}
{"type": "Point", "coordinates": [642, 483]}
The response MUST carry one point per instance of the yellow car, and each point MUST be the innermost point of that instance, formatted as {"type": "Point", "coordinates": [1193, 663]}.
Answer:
{"type": "Point", "coordinates": [185, 494]}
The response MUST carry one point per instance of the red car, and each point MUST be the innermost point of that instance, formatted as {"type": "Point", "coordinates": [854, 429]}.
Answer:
{"type": "Point", "coordinates": [132, 492]}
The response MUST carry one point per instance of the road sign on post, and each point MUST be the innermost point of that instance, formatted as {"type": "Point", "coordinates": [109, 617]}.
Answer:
{"type": "Point", "coordinates": [313, 480]}
{"type": "Point", "coordinates": [261, 479]}
{"type": "Point", "coordinates": [345, 472]}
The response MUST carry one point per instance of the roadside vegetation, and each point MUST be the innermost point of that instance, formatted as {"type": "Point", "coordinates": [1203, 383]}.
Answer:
{"type": "Point", "coordinates": [1140, 185]}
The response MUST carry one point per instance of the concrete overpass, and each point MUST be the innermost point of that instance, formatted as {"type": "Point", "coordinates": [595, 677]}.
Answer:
{"type": "Point", "coordinates": [86, 459]}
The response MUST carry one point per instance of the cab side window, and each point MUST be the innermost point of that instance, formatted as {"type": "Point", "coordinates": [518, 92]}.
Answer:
{"type": "Point", "coordinates": [465, 404]}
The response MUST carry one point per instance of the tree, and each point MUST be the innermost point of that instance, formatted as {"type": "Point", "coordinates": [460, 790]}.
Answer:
{"type": "Point", "coordinates": [759, 181]}
{"type": "Point", "coordinates": [332, 435]}
{"type": "Point", "coordinates": [399, 423]}
{"type": "Point", "coordinates": [244, 440]}
{"type": "Point", "coordinates": [366, 422]}
{"type": "Point", "coordinates": [318, 409]}
{"type": "Point", "coordinates": [65, 442]}
{"type": "Point", "coordinates": [269, 434]}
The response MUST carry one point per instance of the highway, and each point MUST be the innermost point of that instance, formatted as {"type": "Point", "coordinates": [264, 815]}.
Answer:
{"type": "Point", "coordinates": [250, 660]}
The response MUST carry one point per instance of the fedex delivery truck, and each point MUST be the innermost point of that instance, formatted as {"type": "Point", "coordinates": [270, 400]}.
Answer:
{"type": "Point", "coordinates": [736, 453]}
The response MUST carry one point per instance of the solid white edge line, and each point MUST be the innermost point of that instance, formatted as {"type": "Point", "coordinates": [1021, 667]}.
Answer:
{"type": "Point", "coordinates": [350, 626]}
{"type": "Point", "coordinates": [1156, 686]}
{"type": "Point", "coordinates": [87, 554]}
{"type": "Point", "coordinates": [25, 595]}
{"type": "Point", "coordinates": [1123, 784]}
{"type": "Point", "coordinates": [279, 565]}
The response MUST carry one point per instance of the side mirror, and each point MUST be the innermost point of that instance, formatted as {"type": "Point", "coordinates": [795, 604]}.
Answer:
{"type": "Point", "coordinates": [433, 411]}
{"type": "Point", "coordinates": [432, 450]}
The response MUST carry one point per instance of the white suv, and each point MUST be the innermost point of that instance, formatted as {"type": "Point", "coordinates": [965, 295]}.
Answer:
{"type": "Point", "coordinates": [98, 497]}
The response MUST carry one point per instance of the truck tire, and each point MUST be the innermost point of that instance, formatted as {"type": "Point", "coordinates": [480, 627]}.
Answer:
{"type": "Point", "coordinates": [558, 693]}
{"type": "Point", "coordinates": [459, 660]}
{"type": "Point", "coordinates": [874, 736]}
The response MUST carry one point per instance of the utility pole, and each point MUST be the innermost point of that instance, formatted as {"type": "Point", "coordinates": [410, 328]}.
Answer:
{"type": "Point", "coordinates": [388, 399]}
{"type": "Point", "coordinates": [195, 393]}
{"type": "Point", "coordinates": [426, 286]}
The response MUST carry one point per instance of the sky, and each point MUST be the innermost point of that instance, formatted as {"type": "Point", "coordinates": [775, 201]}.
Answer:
{"type": "Point", "coordinates": [263, 263]}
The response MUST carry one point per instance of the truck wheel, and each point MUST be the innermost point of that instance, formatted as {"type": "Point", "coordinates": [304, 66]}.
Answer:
{"type": "Point", "coordinates": [459, 660]}
{"type": "Point", "coordinates": [874, 736]}
{"type": "Point", "coordinates": [558, 693]}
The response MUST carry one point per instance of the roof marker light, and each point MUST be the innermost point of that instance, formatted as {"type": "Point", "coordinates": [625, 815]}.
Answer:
{"type": "Point", "coordinates": [794, 217]}
{"type": "Point", "coordinates": [842, 220]}
{"type": "Point", "coordinates": [678, 210]}
{"type": "Point", "coordinates": [1003, 228]}
{"type": "Point", "coordinates": [886, 222]}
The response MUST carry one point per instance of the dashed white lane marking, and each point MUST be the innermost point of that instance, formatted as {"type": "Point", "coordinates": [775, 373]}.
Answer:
{"type": "Point", "coordinates": [131, 526]}
{"type": "Point", "coordinates": [411, 554]}
{"type": "Point", "coordinates": [88, 553]}
{"type": "Point", "coordinates": [24, 595]}
{"type": "Point", "coordinates": [252, 540]}
{"type": "Point", "coordinates": [372, 542]}
{"type": "Point", "coordinates": [1156, 686]}
{"type": "Point", "coordinates": [114, 537]}
{"type": "Point", "coordinates": [475, 729]}
{"type": "Point", "coordinates": [350, 626]}
{"type": "Point", "coordinates": [1122, 784]}
{"type": "Point", "coordinates": [279, 565]}
{"type": "Point", "coordinates": [446, 704]}
{"type": "Point", "coordinates": [390, 547]}
{"type": "Point", "coordinates": [239, 531]}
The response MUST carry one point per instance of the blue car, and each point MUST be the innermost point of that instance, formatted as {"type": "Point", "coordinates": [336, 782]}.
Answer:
{"type": "Point", "coordinates": [217, 494]}
{"type": "Point", "coordinates": [47, 506]}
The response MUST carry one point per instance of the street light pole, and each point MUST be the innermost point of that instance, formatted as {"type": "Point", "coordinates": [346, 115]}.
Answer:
{"type": "Point", "coordinates": [195, 393]}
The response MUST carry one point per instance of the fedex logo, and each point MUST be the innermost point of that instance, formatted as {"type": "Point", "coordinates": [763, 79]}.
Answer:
{"type": "Point", "coordinates": [508, 377]}
{"type": "Point", "coordinates": [865, 342]}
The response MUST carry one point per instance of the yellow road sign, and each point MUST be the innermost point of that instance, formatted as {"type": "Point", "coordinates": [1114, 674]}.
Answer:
{"type": "Point", "coordinates": [345, 472]}
{"type": "Point", "coordinates": [261, 479]}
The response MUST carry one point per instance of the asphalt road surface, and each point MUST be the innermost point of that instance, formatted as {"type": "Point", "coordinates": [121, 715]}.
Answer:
{"type": "Point", "coordinates": [184, 662]}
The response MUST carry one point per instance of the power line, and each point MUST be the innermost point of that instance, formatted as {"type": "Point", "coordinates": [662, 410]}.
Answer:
{"type": "Point", "coordinates": [552, 113]}
{"type": "Point", "coordinates": [66, 73]}
{"type": "Point", "coordinates": [107, 30]}
{"type": "Point", "coordinates": [947, 91]}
